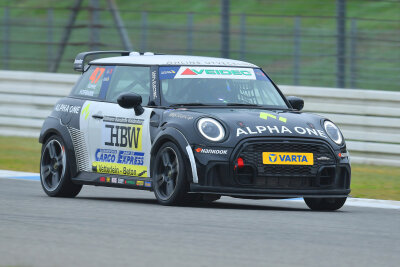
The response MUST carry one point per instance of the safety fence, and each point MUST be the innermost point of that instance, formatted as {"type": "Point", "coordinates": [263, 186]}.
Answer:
{"type": "Point", "coordinates": [369, 120]}
{"type": "Point", "coordinates": [323, 49]}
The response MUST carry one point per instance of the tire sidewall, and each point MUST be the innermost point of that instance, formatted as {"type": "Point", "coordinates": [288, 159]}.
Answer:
{"type": "Point", "coordinates": [66, 175]}
{"type": "Point", "coordinates": [181, 182]}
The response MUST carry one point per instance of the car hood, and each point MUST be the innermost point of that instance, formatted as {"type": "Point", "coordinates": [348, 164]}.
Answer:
{"type": "Point", "coordinates": [243, 123]}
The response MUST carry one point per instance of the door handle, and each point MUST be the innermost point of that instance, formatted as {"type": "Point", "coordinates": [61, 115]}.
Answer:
{"type": "Point", "coordinates": [98, 116]}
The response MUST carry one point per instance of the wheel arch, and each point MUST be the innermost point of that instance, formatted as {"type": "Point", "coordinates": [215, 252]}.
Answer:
{"type": "Point", "coordinates": [52, 126]}
{"type": "Point", "coordinates": [172, 135]}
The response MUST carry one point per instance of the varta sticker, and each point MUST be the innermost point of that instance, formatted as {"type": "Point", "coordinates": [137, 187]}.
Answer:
{"type": "Point", "coordinates": [286, 158]}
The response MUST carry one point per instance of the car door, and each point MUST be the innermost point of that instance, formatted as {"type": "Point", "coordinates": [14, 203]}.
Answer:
{"type": "Point", "coordinates": [118, 140]}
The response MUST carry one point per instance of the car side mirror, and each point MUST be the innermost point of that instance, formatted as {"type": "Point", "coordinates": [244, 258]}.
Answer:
{"type": "Point", "coordinates": [296, 102]}
{"type": "Point", "coordinates": [131, 100]}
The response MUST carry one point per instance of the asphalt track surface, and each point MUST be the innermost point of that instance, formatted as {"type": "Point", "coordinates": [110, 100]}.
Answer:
{"type": "Point", "coordinates": [121, 227]}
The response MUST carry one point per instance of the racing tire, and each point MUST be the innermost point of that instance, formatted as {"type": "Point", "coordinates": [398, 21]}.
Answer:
{"type": "Point", "coordinates": [169, 176]}
{"type": "Point", "coordinates": [55, 175]}
{"type": "Point", "coordinates": [325, 204]}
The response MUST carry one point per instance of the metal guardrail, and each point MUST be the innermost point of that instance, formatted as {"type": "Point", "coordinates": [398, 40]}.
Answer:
{"type": "Point", "coordinates": [370, 120]}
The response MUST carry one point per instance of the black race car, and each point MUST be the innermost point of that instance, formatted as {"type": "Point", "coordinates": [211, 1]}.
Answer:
{"type": "Point", "coordinates": [189, 128]}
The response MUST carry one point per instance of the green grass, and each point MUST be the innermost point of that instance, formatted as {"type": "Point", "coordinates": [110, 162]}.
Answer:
{"type": "Point", "coordinates": [379, 182]}
{"type": "Point", "coordinates": [19, 154]}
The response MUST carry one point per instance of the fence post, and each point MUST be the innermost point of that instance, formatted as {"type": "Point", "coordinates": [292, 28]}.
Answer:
{"type": "Point", "coordinates": [353, 54]}
{"type": "Point", "coordinates": [243, 36]}
{"type": "Point", "coordinates": [296, 51]}
{"type": "Point", "coordinates": [6, 38]}
{"type": "Point", "coordinates": [50, 40]}
{"type": "Point", "coordinates": [94, 16]}
{"type": "Point", "coordinates": [120, 25]}
{"type": "Point", "coordinates": [190, 33]}
{"type": "Point", "coordinates": [225, 28]}
{"type": "Point", "coordinates": [143, 38]}
{"type": "Point", "coordinates": [341, 43]}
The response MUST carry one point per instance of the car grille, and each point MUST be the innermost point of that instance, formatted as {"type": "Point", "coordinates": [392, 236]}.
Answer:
{"type": "Point", "coordinates": [285, 176]}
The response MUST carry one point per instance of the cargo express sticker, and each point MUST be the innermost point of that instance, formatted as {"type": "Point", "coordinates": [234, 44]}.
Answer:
{"type": "Point", "coordinates": [206, 72]}
{"type": "Point", "coordinates": [119, 169]}
{"type": "Point", "coordinates": [279, 130]}
{"type": "Point", "coordinates": [119, 157]}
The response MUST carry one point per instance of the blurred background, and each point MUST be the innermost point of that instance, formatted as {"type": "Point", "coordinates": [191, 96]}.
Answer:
{"type": "Point", "coordinates": [330, 43]}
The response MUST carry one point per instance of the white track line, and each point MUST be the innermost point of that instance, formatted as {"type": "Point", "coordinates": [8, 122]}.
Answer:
{"type": "Point", "coordinates": [356, 202]}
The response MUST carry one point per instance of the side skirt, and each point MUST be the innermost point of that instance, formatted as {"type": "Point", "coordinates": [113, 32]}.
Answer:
{"type": "Point", "coordinates": [111, 180]}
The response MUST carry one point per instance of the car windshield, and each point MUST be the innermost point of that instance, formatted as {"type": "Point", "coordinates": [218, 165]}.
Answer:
{"type": "Point", "coordinates": [222, 86]}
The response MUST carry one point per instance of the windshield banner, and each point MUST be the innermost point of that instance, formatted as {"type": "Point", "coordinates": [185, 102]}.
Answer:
{"type": "Point", "coordinates": [207, 72]}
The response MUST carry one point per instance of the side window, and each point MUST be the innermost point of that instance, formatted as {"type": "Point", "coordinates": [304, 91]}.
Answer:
{"type": "Point", "coordinates": [91, 82]}
{"type": "Point", "coordinates": [130, 79]}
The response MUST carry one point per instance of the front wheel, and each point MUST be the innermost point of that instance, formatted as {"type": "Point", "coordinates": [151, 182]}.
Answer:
{"type": "Point", "coordinates": [169, 175]}
{"type": "Point", "coordinates": [55, 174]}
{"type": "Point", "coordinates": [327, 204]}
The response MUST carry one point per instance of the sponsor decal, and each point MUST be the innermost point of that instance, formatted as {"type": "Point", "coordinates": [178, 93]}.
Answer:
{"type": "Point", "coordinates": [214, 63]}
{"type": "Point", "coordinates": [154, 83]}
{"type": "Point", "coordinates": [86, 92]}
{"type": "Point", "coordinates": [193, 71]}
{"type": "Point", "coordinates": [279, 130]}
{"type": "Point", "coordinates": [85, 111]}
{"type": "Point", "coordinates": [206, 72]}
{"type": "Point", "coordinates": [114, 180]}
{"type": "Point", "coordinates": [265, 116]}
{"type": "Point", "coordinates": [123, 136]}
{"type": "Point", "coordinates": [147, 184]}
{"type": "Point", "coordinates": [130, 158]}
{"type": "Point", "coordinates": [139, 183]}
{"type": "Point", "coordinates": [211, 151]}
{"type": "Point", "coordinates": [130, 182]}
{"type": "Point", "coordinates": [119, 169]}
{"type": "Point", "coordinates": [260, 75]}
{"type": "Point", "coordinates": [120, 180]}
{"type": "Point", "coordinates": [102, 179]}
{"type": "Point", "coordinates": [343, 155]}
{"type": "Point", "coordinates": [119, 157]}
{"type": "Point", "coordinates": [106, 155]}
{"type": "Point", "coordinates": [67, 108]}
{"type": "Point", "coordinates": [286, 158]}
{"type": "Point", "coordinates": [323, 158]}
{"type": "Point", "coordinates": [108, 179]}
{"type": "Point", "coordinates": [180, 116]}
{"type": "Point", "coordinates": [167, 72]}
{"type": "Point", "coordinates": [122, 120]}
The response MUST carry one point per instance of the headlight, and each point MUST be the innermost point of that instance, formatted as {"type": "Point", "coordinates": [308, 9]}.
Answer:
{"type": "Point", "coordinates": [211, 129]}
{"type": "Point", "coordinates": [333, 132]}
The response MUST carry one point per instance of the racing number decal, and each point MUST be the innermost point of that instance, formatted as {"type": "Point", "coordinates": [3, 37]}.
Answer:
{"type": "Point", "coordinates": [97, 73]}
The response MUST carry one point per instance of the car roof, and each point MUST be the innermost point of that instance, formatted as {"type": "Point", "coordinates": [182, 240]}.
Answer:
{"type": "Point", "coordinates": [151, 59]}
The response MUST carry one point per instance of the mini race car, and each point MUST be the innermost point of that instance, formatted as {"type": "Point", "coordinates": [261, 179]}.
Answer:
{"type": "Point", "coordinates": [190, 129]}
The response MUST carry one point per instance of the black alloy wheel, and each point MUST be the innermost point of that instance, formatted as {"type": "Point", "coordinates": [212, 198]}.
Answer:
{"type": "Point", "coordinates": [54, 170]}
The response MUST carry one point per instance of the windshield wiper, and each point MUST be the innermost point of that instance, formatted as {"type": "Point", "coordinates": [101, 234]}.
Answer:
{"type": "Point", "coordinates": [243, 104]}
{"type": "Point", "coordinates": [187, 104]}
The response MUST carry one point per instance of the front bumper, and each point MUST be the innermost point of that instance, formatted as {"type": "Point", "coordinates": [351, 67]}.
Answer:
{"type": "Point", "coordinates": [268, 193]}
{"type": "Point", "coordinates": [329, 176]}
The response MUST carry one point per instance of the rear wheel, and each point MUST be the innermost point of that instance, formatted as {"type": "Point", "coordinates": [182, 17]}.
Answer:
{"type": "Point", "coordinates": [325, 203]}
{"type": "Point", "coordinates": [55, 170]}
{"type": "Point", "coordinates": [169, 175]}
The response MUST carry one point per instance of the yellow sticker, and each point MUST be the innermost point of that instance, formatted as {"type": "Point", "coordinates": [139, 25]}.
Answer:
{"type": "Point", "coordinates": [288, 158]}
{"type": "Point", "coordinates": [120, 169]}
{"type": "Point", "coordinates": [139, 183]}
